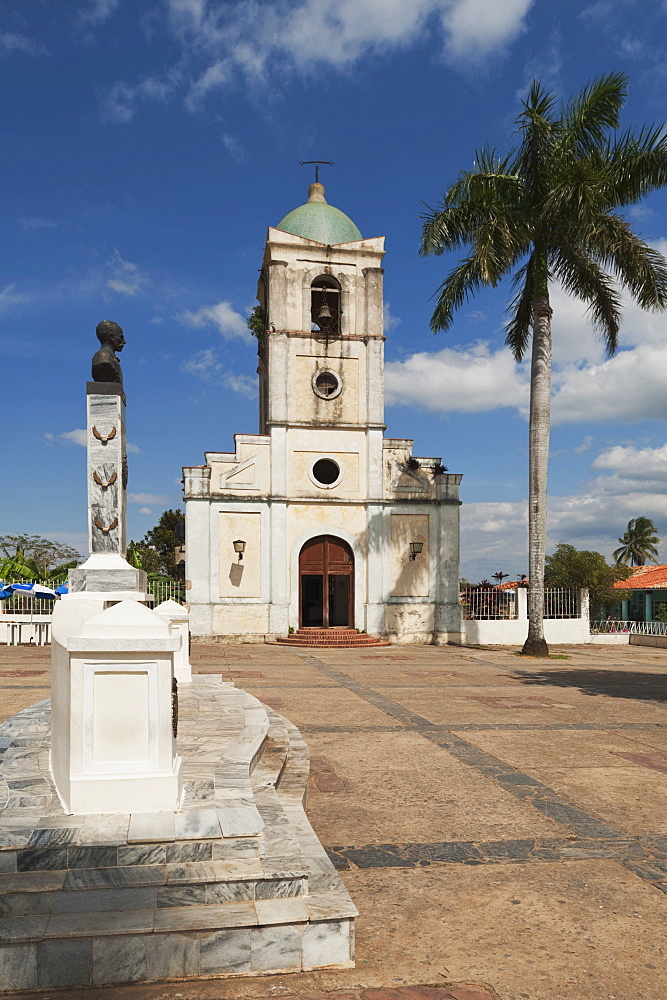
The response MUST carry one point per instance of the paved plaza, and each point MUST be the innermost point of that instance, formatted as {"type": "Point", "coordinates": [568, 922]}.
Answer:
{"type": "Point", "coordinates": [500, 822]}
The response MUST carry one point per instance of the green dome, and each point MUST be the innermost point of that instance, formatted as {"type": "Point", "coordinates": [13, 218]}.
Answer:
{"type": "Point", "coordinates": [316, 220]}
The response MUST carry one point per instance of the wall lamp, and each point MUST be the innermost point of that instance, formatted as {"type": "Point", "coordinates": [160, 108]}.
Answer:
{"type": "Point", "coordinates": [415, 549]}
{"type": "Point", "coordinates": [239, 546]}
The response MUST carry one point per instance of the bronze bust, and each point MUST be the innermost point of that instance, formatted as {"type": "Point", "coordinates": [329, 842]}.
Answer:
{"type": "Point", "coordinates": [106, 366]}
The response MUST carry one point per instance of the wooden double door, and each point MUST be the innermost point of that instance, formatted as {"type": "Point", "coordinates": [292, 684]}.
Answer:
{"type": "Point", "coordinates": [326, 583]}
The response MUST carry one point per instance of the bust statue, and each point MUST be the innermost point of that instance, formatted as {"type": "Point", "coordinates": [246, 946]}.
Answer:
{"type": "Point", "coordinates": [106, 366]}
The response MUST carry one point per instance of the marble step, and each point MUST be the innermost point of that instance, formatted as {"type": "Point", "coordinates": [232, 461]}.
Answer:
{"type": "Point", "coordinates": [146, 887]}
{"type": "Point", "coordinates": [221, 900]}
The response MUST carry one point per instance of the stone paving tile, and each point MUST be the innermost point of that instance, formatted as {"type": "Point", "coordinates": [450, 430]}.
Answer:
{"type": "Point", "coordinates": [593, 899]}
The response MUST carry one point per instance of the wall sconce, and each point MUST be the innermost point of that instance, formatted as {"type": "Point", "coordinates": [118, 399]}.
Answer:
{"type": "Point", "coordinates": [415, 549]}
{"type": "Point", "coordinates": [239, 546]}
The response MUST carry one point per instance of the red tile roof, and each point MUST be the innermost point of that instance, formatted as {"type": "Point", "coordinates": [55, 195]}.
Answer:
{"type": "Point", "coordinates": [645, 578]}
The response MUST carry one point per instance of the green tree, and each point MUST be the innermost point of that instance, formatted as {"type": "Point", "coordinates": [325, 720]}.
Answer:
{"type": "Point", "coordinates": [575, 568]}
{"type": "Point", "coordinates": [155, 552]}
{"type": "Point", "coordinates": [31, 557]}
{"type": "Point", "coordinates": [256, 322]}
{"type": "Point", "coordinates": [638, 543]}
{"type": "Point", "coordinates": [547, 212]}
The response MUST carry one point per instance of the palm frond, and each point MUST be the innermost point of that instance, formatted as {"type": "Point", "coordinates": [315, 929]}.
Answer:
{"type": "Point", "coordinates": [460, 284]}
{"type": "Point", "coordinates": [451, 228]}
{"type": "Point", "coordinates": [636, 264]}
{"type": "Point", "coordinates": [582, 277]}
{"type": "Point", "coordinates": [636, 164]}
{"type": "Point", "coordinates": [596, 109]}
{"type": "Point", "coordinates": [520, 309]}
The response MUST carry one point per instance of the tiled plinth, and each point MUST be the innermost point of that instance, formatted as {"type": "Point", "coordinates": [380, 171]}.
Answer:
{"type": "Point", "coordinates": [236, 883]}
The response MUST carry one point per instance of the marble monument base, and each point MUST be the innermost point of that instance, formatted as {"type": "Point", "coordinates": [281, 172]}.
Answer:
{"type": "Point", "coordinates": [234, 883]}
{"type": "Point", "coordinates": [108, 572]}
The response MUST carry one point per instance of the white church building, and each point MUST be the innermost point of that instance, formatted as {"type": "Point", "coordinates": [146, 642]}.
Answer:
{"type": "Point", "coordinates": [319, 521]}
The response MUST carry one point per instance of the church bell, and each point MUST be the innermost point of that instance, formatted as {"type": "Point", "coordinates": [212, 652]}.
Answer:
{"type": "Point", "coordinates": [325, 312]}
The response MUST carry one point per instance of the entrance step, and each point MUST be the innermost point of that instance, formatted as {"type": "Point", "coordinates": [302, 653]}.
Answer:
{"type": "Point", "coordinates": [334, 638]}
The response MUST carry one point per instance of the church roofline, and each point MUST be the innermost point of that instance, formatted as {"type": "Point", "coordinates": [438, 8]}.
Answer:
{"type": "Point", "coordinates": [370, 245]}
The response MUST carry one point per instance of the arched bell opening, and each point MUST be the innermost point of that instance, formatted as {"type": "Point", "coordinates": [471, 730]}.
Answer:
{"type": "Point", "coordinates": [326, 583]}
{"type": "Point", "coordinates": [325, 306]}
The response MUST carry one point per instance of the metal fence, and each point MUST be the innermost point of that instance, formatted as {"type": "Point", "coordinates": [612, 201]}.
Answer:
{"type": "Point", "coordinates": [24, 604]}
{"type": "Point", "coordinates": [561, 602]}
{"type": "Point", "coordinates": [167, 590]}
{"type": "Point", "coordinates": [609, 626]}
{"type": "Point", "coordinates": [492, 603]}
{"type": "Point", "coordinates": [488, 604]}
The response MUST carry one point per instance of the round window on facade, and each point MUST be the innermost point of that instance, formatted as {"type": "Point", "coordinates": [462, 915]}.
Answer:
{"type": "Point", "coordinates": [327, 384]}
{"type": "Point", "coordinates": [326, 472]}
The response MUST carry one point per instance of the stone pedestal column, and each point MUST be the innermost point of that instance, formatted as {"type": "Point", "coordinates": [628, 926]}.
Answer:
{"type": "Point", "coordinates": [180, 624]}
{"type": "Point", "coordinates": [113, 748]}
{"type": "Point", "coordinates": [107, 570]}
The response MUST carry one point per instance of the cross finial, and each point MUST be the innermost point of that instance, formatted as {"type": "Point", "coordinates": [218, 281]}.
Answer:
{"type": "Point", "coordinates": [317, 163]}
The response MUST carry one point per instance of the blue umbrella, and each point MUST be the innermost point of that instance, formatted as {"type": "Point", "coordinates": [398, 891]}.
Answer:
{"type": "Point", "coordinates": [34, 590]}
{"type": "Point", "coordinates": [62, 589]}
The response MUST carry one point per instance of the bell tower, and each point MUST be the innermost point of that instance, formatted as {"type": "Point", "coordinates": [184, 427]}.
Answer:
{"type": "Point", "coordinates": [321, 355]}
{"type": "Point", "coordinates": [340, 526]}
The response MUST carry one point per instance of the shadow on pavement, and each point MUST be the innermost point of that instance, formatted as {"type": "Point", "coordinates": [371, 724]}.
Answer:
{"type": "Point", "coordinates": [613, 683]}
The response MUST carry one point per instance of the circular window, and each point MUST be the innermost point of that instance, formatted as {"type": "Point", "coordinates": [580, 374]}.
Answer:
{"type": "Point", "coordinates": [326, 472]}
{"type": "Point", "coordinates": [326, 384]}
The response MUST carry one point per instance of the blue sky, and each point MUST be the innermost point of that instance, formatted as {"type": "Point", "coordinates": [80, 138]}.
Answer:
{"type": "Point", "coordinates": [149, 146]}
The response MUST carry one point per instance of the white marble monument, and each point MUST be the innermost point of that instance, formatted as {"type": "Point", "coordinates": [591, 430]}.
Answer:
{"type": "Point", "coordinates": [107, 571]}
{"type": "Point", "coordinates": [180, 624]}
{"type": "Point", "coordinates": [113, 750]}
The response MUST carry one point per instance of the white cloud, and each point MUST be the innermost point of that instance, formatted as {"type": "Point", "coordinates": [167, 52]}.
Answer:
{"type": "Point", "coordinates": [35, 223]}
{"type": "Point", "coordinates": [145, 510]}
{"type": "Point", "coordinates": [127, 278]}
{"type": "Point", "coordinates": [629, 387]}
{"type": "Point", "coordinates": [96, 12]}
{"type": "Point", "coordinates": [585, 445]}
{"type": "Point", "coordinates": [223, 42]}
{"type": "Point", "coordinates": [146, 498]}
{"type": "Point", "coordinates": [647, 464]}
{"type": "Point", "coordinates": [586, 386]}
{"type": "Point", "coordinates": [206, 366]}
{"type": "Point", "coordinates": [12, 42]}
{"type": "Point", "coordinates": [390, 321]}
{"type": "Point", "coordinates": [466, 380]}
{"type": "Point", "coordinates": [78, 436]}
{"type": "Point", "coordinates": [9, 297]}
{"type": "Point", "coordinates": [203, 364]}
{"type": "Point", "coordinates": [233, 146]}
{"type": "Point", "coordinates": [120, 103]}
{"type": "Point", "coordinates": [475, 28]}
{"type": "Point", "coordinates": [495, 535]}
{"type": "Point", "coordinates": [222, 316]}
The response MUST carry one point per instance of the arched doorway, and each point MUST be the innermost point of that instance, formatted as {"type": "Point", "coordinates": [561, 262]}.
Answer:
{"type": "Point", "coordinates": [326, 583]}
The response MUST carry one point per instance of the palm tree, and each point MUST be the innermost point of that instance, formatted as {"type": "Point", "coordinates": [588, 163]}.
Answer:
{"type": "Point", "coordinates": [547, 212]}
{"type": "Point", "coordinates": [500, 576]}
{"type": "Point", "coordinates": [638, 543]}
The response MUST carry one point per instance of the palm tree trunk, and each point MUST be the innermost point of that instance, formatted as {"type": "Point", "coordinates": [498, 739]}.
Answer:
{"type": "Point", "coordinates": [538, 461]}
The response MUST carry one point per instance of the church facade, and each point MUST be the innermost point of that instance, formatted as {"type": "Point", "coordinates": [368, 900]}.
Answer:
{"type": "Point", "coordinates": [319, 521]}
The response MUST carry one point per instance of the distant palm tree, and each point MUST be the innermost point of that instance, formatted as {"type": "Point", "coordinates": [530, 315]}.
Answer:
{"type": "Point", "coordinates": [638, 543]}
{"type": "Point", "coordinates": [546, 212]}
{"type": "Point", "coordinates": [500, 576]}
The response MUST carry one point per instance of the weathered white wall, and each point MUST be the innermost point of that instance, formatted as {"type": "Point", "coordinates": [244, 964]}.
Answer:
{"type": "Point", "coordinates": [409, 577]}
{"type": "Point", "coordinates": [240, 577]}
